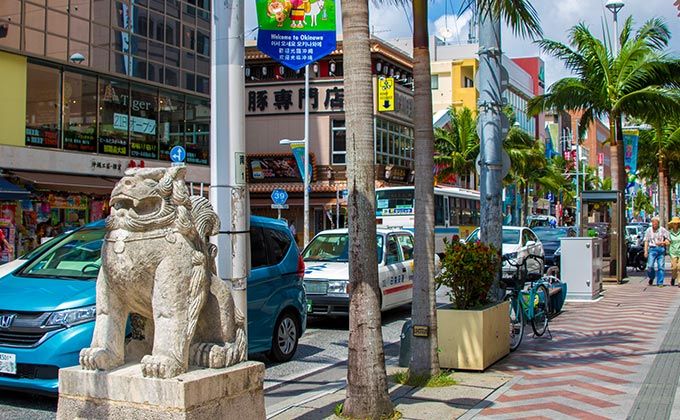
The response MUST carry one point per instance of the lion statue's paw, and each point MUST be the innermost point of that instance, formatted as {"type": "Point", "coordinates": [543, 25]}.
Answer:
{"type": "Point", "coordinates": [93, 358]}
{"type": "Point", "coordinates": [208, 355]}
{"type": "Point", "coordinates": [215, 356]}
{"type": "Point", "coordinates": [156, 366]}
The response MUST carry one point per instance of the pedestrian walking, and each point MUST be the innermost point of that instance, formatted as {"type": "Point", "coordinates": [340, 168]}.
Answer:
{"type": "Point", "coordinates": [674, 247]}
{"type": "Point", "coordinates": [656, 241]}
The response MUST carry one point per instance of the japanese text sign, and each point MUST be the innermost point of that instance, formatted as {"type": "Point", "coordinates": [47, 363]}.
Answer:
{"type": "Point", "coordinates": [296, 32]}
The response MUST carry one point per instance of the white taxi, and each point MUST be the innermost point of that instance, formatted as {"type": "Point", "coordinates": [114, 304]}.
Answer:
{"type": "Point", "coordinates": [326, 278]}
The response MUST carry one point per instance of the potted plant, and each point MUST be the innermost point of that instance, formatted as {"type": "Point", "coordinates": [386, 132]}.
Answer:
{"type": "Point", "coordinates": [473, 331]}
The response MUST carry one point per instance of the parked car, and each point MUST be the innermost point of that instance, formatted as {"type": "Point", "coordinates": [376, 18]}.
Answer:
{"type": "Point", "coordinates": [551, 239]}
{"type": "Point", "coordinates": [327, 270]}
{"type": "Point", "coordinates": [518, 243]}
{"type": "Point", "coordinates": [541, 220]}
{"type": "Point", "coordinates": [47, 306]}
{"type": "Point", "coordinates": [635, 234]}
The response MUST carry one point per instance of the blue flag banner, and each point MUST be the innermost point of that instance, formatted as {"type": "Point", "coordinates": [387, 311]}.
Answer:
{"type": "Point", "coordinates": [298, 149]}
{"type": "Point", "coordinates": [296, 32]}
{"type": "Point", "coordinates": [630, 144]}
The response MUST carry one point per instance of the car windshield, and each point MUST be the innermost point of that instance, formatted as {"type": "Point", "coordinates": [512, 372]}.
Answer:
{"type": "Point", "coordinates": [510, 236]}
{"type": "Point", "coordinates": [554, 234]}
{"type": "Point", "coordinates": [333, 247]}
{"type": "Point", "coordinates": [77, 257]}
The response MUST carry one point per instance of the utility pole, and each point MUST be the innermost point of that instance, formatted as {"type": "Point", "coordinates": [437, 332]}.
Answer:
{"type": "Point", "coordinates": [228, 189]}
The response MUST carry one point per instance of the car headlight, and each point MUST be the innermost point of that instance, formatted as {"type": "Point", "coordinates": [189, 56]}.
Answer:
{"type": "Point", "coordinates": [338, 286]}
{"type": "Point", "coordinates": [70, 317]}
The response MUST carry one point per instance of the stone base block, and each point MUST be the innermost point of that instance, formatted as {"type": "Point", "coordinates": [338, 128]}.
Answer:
{"type": "Point", "coordinates": [235, 392]}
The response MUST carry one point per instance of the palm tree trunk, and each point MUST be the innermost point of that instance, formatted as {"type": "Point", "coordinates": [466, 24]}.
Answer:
{"type": "Point", "coordinates": [424, 356]}
{"type": "Point", "coordinates": [617, 250]}
{"type": "Point", "coordinates": [367, 395]}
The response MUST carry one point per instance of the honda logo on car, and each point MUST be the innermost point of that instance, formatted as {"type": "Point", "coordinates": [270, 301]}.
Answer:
{"type": "Point", "coordinates": [6, 320]}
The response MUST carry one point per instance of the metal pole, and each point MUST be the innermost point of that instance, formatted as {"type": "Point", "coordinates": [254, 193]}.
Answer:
{"type": "Point", "coordinates": [306, 160]}
{"type": "Point", "coordinates": [578, 194]}
{"type": "Point", "coordinates": [490, 105]}
{"type": "Point", "coordinates": [228, 189]}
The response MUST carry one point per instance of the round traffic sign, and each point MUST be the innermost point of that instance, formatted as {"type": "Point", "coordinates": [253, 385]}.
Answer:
{"type": "Point", "coordinates": [178, 154]}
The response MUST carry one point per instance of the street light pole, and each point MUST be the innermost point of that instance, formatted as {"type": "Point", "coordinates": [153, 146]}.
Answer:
{"type": "Point", "coordinates": [305, 161]}
{"type": "Point", "coordinates": [614, 6]}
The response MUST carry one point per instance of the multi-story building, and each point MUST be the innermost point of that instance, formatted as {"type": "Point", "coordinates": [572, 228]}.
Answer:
{"type": "Point", "coordinates": [93, 87]}
{"type": "Point", "coordinates": [275, 111]}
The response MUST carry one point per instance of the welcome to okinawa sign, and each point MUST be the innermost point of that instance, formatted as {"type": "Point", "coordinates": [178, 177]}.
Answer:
{"type": "Point", "coordinates": [296, 32]}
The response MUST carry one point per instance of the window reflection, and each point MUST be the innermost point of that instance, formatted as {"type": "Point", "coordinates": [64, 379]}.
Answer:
{"type": "Point", "coordinates": [171, 126]}
{"type": "Point", "coordinates": [143, 123]}
{"type": "Point", "coordinates": [113, 117]}
{"type": "Point", "coordinates": [80, 116]}
{"type": "Point", "coordinates": [43, 105]}
{"type": "Point", "coordinates": [198, 131]}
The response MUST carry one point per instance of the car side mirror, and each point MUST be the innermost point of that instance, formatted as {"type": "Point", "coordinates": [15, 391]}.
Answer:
{"type": "Point", "coordinates": [531, 243]}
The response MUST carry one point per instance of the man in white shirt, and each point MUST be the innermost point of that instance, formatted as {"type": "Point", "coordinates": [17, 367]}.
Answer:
{"type": "Point", "coordinates": [656, 240]}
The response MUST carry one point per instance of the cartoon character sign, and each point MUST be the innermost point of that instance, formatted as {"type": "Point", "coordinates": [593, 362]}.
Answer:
{"type": "Point", "coordinates": [277, 10]}
{"type": "Point", "coordinates": [296, 12]}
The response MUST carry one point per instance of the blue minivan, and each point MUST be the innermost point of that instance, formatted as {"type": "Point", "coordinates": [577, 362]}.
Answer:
{"type": "Point", "coordinates": [47, 306]}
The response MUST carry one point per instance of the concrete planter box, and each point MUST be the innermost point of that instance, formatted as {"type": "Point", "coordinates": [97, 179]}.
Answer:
{"type": "Point", "coordinates": [473, 339]}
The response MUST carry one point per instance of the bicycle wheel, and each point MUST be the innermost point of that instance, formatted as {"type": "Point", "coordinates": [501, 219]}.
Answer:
{"type": "Point", "coordinates": [539, 323]}
{"type": "Point", "coordinates": [516, 322]}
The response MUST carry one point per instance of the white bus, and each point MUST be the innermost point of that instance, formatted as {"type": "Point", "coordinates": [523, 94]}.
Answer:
{"type": "Point", "coordinates": [456, 211]}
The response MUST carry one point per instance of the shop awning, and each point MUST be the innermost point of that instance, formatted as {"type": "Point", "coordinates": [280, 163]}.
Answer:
{"type": "Point", "coordinates": [70, 183]}
{"type": "Point", "coordinates": [11, 192]}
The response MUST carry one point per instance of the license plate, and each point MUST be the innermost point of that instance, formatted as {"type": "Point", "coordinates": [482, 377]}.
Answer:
{"type": "Point", "coordinates": [309, 305]}
{"type": "Point", "coordinates": [8, 363]}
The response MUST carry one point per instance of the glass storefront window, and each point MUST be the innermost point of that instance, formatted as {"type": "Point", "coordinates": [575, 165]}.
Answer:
{"type": "Point", "coordinates": [101, 11]}
{"type": "Point", "coordinates": [113, 117]}
{"type": "Point", "coordinates": [198, 131]}
{"type": "Point", "coordinates": [57, 23]}
{"type": "Point", "coordinates": [35, 41]}
{"type": "Point", "coordinates": [140, 19]}
{"type": "Point", "coordinates": [80, 112]}
{"type": "Point", "coordinates": [171, 123]}
{"type": "Point", "coordinates": [143, 123]}
{"type": "Point", "coordinates": [43, 106]}
{"type": "Point", "coordinates": [35, 16]}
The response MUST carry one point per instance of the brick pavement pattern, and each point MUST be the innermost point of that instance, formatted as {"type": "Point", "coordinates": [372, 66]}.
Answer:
{"type": "Point", "coordinates": [613, 358]}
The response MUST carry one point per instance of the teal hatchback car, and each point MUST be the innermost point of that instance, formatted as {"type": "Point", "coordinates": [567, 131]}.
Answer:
{"type": "Point", "coordinates": [48, 308]}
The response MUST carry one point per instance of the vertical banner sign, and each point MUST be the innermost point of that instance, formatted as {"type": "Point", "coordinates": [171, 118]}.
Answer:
{"type": "Point", "coordinates": [298, 149]}
{"type": "Point", "coordinates": [296, 32]}
{"type": "Point", "coordinates": [386, 94]}
{"type": "Point", "coordinates": [630, 147]}
{"type": "Point", "coordinates": [551, 147]}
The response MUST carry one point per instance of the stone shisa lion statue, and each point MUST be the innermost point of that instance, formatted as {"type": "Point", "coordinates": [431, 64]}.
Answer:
{"type": "Point", "coordinates": [157, 262]}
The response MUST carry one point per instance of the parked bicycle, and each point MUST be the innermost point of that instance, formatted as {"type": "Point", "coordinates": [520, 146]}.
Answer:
{"type": "Point", "coordinates": [529, 297]}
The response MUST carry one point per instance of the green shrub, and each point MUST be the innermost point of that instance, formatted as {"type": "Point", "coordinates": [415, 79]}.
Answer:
{"type": "Point", "coordinates": [469, 270]}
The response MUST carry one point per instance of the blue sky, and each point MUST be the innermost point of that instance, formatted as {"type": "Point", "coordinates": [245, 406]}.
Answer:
{"type": "Point", "coordinates": [557, 17]}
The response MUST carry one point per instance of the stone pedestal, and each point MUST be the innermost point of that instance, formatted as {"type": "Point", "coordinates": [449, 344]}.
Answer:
{"type": "Point", "coordinates": [235, 393]}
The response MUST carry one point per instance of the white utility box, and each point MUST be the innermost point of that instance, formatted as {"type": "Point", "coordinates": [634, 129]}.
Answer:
{"type": "Point", "coordinates": [581, 267]}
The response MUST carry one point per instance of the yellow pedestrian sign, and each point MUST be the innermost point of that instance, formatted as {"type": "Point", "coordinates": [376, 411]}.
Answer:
{"type": "Point", "coordinates": [386, 94]}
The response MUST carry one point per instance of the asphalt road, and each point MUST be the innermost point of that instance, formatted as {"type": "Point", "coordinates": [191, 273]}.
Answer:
{"type": "Point", "coordinates": [324, 344]}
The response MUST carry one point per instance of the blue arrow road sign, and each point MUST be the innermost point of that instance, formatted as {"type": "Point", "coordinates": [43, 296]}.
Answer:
{"type": "Point", "coordinates": [178, 154]}
{"type": "Point", "coordinates": [279, 196]}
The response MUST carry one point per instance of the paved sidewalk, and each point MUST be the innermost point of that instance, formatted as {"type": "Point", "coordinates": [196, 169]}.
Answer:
{"type": "Point", "coordinates": [614, 358]}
